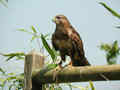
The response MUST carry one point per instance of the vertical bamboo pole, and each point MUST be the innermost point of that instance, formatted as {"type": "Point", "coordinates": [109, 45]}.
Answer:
{"type": "Point", "coordinates": [33, 60]}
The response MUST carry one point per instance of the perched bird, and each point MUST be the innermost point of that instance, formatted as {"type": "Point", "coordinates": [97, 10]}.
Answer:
{"type": "Point", "coordinates": [66, 40]}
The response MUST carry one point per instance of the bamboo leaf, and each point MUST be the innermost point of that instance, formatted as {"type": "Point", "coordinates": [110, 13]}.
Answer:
{"type": "Point", "coordinates": [12, 55]}
{"type": "Point", "coordinates": [11, 74]}
{"type": "Point", "coordinates": [115, 46]}
{"type": "Point", "coordinates": [51, 66]}
{"type": "Point", "coordinates": [2, 79]}
{"type": "Point", "coordinates": [47, 35]}
{"type": "Point", "coordinates": [33, 38]}
{"type": "Point", "coordinates": [3, 2]}
{"type": "Point", "coordinates": [91, 85]}
{"type": "Point", "coordinates": [105, 47]}
{"type": "Point", "coordinates": [1, 70]}
{"type": "Point", "coordinates": [110, 10]}
{"type": "Point", "coordinates": [112, 51]}
{"type": "Point", "coordinates": [11, 78]}
{"type": "Point", "coordinates": [47, 47]}
{"type": "Point", "coordinates": [33, 29]}
{"type": "Point", "coordinates": [20, 57]}
{"type": "Point", "coordinates": [23, 30]}
{"type": "Point", "coordinates": [10, 87]}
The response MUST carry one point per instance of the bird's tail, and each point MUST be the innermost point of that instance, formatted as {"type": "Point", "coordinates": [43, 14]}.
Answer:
{"type": "Point", "coordinates": [80, 62]}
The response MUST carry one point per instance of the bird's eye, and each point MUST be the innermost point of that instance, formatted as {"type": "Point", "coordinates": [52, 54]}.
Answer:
{"type": "Point", "coordinates": [58, 17]}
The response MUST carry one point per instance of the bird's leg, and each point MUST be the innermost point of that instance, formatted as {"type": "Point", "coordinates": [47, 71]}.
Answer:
{"type": "Point", "coordinates": [71, 63]}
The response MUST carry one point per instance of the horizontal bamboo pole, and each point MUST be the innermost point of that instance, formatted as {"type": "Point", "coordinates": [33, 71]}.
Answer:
{"type": "Point", "coordinates": [76, 74]}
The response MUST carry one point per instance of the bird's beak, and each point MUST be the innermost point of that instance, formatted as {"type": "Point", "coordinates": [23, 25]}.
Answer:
{"type": "Point", "coordinates": [54, 20]}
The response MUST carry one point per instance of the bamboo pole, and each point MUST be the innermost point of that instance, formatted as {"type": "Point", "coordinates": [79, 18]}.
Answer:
{"type": "Point", "coordinates": [77, 74]}
{"type": "Point", "coordinates": [34, 60]}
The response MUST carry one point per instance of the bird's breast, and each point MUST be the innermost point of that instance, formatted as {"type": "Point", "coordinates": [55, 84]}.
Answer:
{"type": "Point", "coordinates": [64, 44]}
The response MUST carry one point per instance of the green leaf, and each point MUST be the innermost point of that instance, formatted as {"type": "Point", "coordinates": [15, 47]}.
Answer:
{"type": "Point", "coordinates": [11, 78]}
{"type": "Point", "coordinates": [10, 87]}
{"type": "Point", "coordinates": [11, 74]}
{"type": "Point", "coordinates": [2, 80]}
{"type": "Point", "coordinates": [47, 35]}
{"type": "Point", "coordinates": [115, 46]}
{"type": "Point", "coordinates": [23, 30]}
{"type": "Point", "coordinates": [20, 58]}
{"type": "Point", "coordinates": [91, 85]}
{"type": "Point", "coordinates": [52, 66]}
{"type": "Point", "coordinates": [34, 30]}
{"type": "Point", "coordinates": [12, 55]}
{"type": "Point", "coordinates": [47, 47]}
{"type": "Point", "coordinates": [59, 88]}
{"type": "Point", "coordinates": [105, 47]}
{"type": "Point", "coordinates": [70, 86]}
{"type": "Point", "coordinates": [112, 51]}
{"type": "Point", "coordinates": [1, 70]}
{"type": "Point", "coordinates": [3, 2]}
{"type": "Point", "coordinates": [110, 10]}
{"type": "Point", "coordinates": [1, 85]}
{"type": "Point", "coordinates": [33, 38]}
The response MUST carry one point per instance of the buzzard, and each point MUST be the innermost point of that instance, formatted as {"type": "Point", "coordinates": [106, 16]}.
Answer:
{"type": "Point", "coordinates": [67, 40]}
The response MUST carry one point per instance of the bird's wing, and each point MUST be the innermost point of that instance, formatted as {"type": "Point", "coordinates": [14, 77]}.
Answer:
{"type": "Point", "coordinates": [76, 40]}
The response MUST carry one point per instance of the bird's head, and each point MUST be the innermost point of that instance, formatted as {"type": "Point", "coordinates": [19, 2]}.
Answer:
{"type": "Point", "coordinates": [60, 20]}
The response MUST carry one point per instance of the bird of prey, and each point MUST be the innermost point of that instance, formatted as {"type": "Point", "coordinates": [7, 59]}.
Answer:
{"type": "Point", "coordinates": [67, 40]}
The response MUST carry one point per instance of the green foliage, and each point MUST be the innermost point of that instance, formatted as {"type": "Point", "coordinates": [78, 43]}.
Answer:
{"type": "Point", "coordinates": [36, 35]}
{"type": "Point", "coordinates": [110, 10]}
{"type": "Point", "coordinates": [3, 2]}
{"type": "Point", "coordinates": [51, 66]}
{"type": "Point", "coordinates": [23, 30]}
{"type": "Point", "coordinates": [33, 29]}
{"type": "Point", "coordinates": [2, 71]}
{"type": "Point", "coordinates": [59, 86]}
{"type": "Point", "coordinates": [11, 78]}
{"type": "Point", "coordinates": [47, 47]}
{"type": "Point", "coordinates": [18, 55]}
{"type": "Point", "coordinates": [112, 51]}
{"type": "Point", "coordinates": [91, 85]}
{"type": "Point", "coordinates": [52, 87]}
